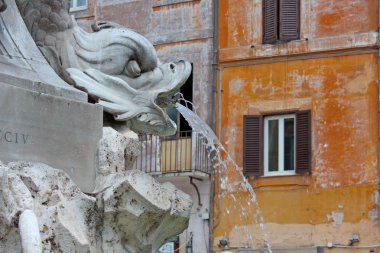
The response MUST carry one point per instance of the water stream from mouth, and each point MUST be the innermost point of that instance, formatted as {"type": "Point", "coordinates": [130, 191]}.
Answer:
{"type": "Point", "coordinates": [223, 162]}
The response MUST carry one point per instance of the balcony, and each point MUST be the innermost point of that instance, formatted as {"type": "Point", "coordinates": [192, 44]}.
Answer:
{"type": "Point", "coordinates": [184, 154]}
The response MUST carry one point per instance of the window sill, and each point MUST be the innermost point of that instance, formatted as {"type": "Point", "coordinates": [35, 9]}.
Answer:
{"type": "Point", "coordinates": [159, 3]}
{"type": "Point", "coordinates": [280, 42]}
{"type": "Point", "coordinates": [281, 180]}
{"type": "Point", "coordinates": [299, 47]}
{"type": "Point", "coordinates": [75, 9]}
{"type": "Point", "coordinates": [82, 13]}
{"type": "Point", "coordinates": [279, 174]}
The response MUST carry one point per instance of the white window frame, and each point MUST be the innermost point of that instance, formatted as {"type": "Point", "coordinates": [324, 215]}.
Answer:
{"type": "Point", "coordinates": [281, 171]}
{"type": "Point", "coordinates": [78, 8]}
{"type": "Point", "coordinates": [167, 248]}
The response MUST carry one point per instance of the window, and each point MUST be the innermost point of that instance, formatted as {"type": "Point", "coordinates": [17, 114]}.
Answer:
{"type": "Point", "coordinates": [77, 5]}
{"type": "Point", "coordinates": [277, 144]}
{"type": "Point", "coordinates": [187, 91]}
{"type": "Point", "coordinates": [167, 248]}
{"type": "Point", "coordinates": [281, 21]}
{"type": "Point", "coordinates": [170, 247]}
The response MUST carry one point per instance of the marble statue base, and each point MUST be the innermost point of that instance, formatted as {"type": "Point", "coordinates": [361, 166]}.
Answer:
{"type": "Point", "coordinates": [60, 132]}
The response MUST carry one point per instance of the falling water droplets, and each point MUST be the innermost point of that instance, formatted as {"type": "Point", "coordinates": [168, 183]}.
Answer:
{"type": "Point", "coordinates": [222, 162]}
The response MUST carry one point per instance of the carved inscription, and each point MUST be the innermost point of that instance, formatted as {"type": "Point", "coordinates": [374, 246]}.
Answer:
{"type": "Point", "coordinates": [13, 137]}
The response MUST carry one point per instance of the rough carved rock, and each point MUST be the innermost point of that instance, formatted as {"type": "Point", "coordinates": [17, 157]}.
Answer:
{"type": "Point", "coordinates": [133, 213]}
{"type": "Point", "coordinates": [116, 66]}
{"type": "Point", "coordinates": [141, 213]}
{"type": "Point", "coordinates": [117, 153]}
{"type": "Point", "coordinates": [61, 208]}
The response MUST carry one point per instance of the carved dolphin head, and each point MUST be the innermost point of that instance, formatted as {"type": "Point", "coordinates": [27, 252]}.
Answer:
{"type": "Point", "coordinates": [120, 69]}
{"type": "Point", "coordinates": [170, 77]}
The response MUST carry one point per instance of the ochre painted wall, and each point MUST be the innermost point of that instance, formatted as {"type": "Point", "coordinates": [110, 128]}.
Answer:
{"type": "Point", "coordinates": [240, 24]}
{"type": "Point", "coordinates": [325, 25]}
{"type": "Point", "coordinates": [331, 70]}
{"type": "Point", "coordinates": [340, 197]}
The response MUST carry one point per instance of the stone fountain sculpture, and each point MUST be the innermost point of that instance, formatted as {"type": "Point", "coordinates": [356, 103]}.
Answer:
{"type": "Point", "coordinates": [116, 66]}
{"type": "Point", "coordinates": [43, 209]}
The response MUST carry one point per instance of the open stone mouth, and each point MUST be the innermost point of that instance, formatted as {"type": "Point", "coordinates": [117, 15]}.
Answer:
{"type": "Point", "coordinates": [168, 101]}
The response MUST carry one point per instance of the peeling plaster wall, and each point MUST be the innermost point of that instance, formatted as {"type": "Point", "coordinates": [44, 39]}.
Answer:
{"type": "Point", "coordinates": [240, 24]}
{"type": "Point", "coordinates": [332, 71]}
{"type": "Point", "coordinates": [325, 25]}
{"type": "Point", "coordinates": [341, 195]}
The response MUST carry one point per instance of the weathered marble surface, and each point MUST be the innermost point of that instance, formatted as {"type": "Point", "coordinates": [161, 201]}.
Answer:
{"type": "Point", "coordinates": [133, 212]}
{"type": "Point", "coordinates": [42, 118]}
{"type": "Point", "coordinates": [21, 62]}
{"type": "Point", "coordinates": [43, 128]}
{"type": "Point", "coordinates": [117, 153]}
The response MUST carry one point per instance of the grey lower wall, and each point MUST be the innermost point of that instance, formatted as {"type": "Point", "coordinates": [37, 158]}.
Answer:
{"type": "Point", "coordinates": [200, 214]}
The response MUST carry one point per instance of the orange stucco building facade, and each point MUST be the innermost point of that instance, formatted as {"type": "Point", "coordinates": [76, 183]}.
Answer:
{"type": "Point", "coordinates": [331, 70]}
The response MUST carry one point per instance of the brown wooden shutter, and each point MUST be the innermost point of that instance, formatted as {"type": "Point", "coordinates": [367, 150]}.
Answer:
{"type": "Point", "coordinates": [289, 20]}
{"type": "Point", "coordinates": [253, 145]}
{"type": "Point", "coordinates": [270, 21]}
{"type": "Point", "coordinates": [303, 142]}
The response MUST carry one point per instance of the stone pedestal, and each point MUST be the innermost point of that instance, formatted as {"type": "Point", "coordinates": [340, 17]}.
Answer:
{"type": "Point", "coordinates": [42, 118]}
{"type": "Point", "coordinates": [53, 130]}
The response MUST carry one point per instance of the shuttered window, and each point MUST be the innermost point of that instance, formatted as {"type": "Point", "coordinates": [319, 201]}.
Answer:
{"type": "Point", "coordinates": [253, 142]}
{"type": "Point", "coordinates": [278, 147]}
{"type": "Point", "coordinates": [281, 20]}
{"type": "Point", "coordinates": [303, 142]}
{"type": "Point", "coordinates": [270, 22]}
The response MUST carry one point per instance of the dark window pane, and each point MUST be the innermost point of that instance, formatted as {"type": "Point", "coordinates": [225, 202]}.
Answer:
{"type": "Point", "coordinates": [173, 115]}
{"type": "Point", "coordinates": [81, 3]}
{"type": "Point", "coordinates": [273, 145]}
{"type": "Point", "coordinates": [187, 92]}
{"type": "Point", "coordinates": [71, 3]}
{"type": "Point", "coordinates": [288, 144]}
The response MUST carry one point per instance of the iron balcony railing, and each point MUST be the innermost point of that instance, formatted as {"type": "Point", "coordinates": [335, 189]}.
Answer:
{"type": "Point", "coordinates": [185, 152]}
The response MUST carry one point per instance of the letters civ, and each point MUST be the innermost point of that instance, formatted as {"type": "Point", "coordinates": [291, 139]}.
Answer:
{"type": "Point", "coordinates": [13, 137]}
